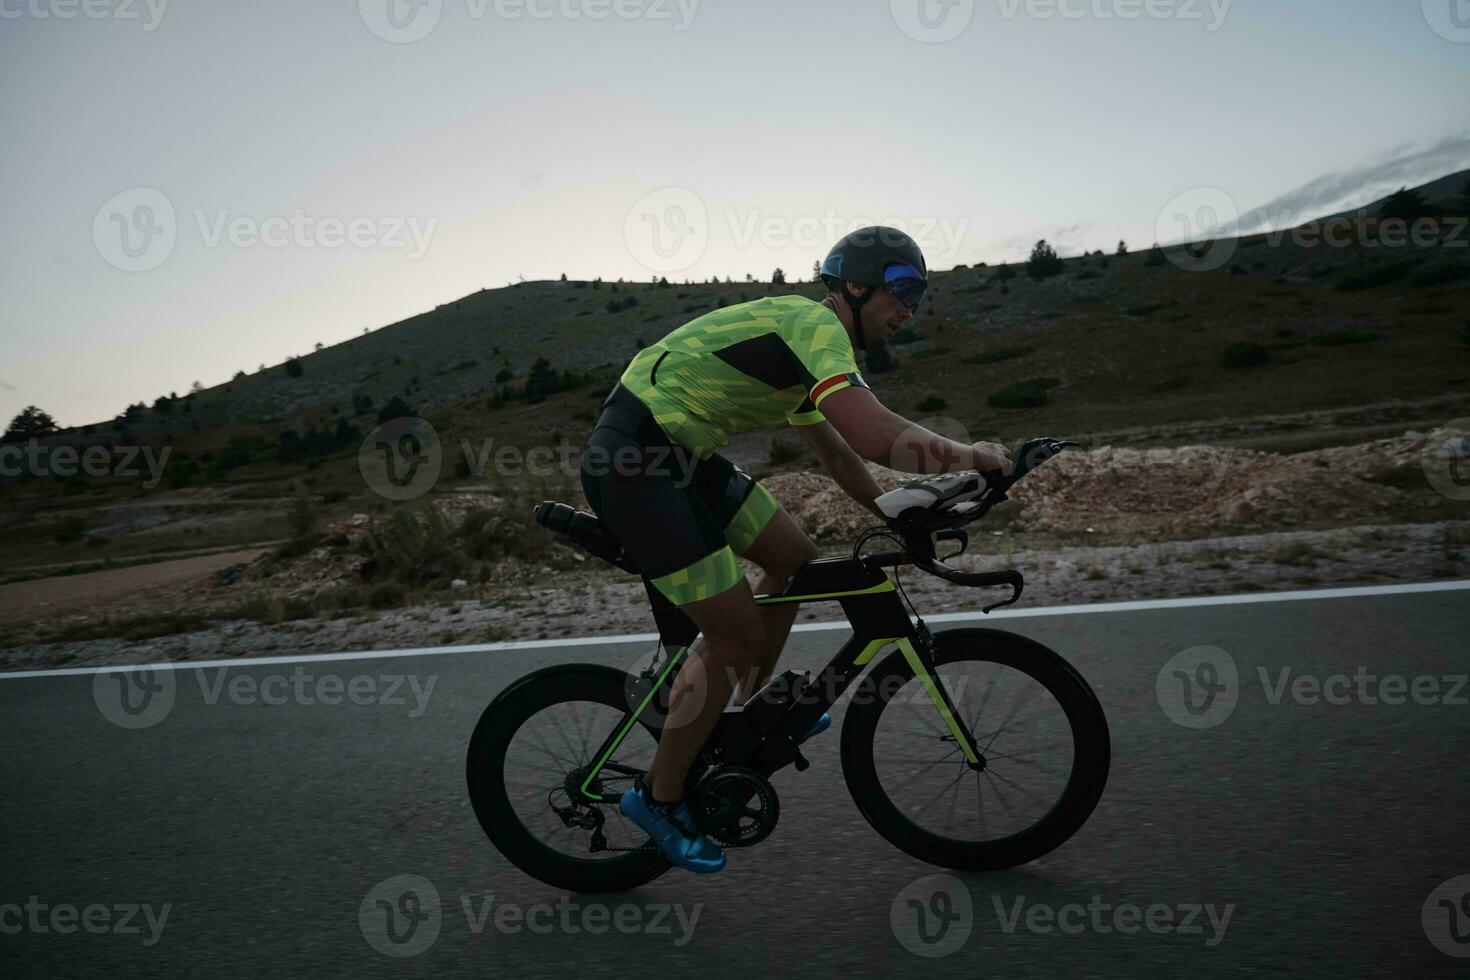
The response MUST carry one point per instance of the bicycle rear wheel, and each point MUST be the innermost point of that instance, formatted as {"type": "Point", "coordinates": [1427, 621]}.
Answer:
{"type": "Point", "coordinates": [527, 758]}
{"type": "Point", "coordinates": [1041, 733]}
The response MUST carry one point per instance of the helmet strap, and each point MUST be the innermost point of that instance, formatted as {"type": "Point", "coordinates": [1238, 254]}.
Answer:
{"type": "Point", "coordinates": [856, 306]}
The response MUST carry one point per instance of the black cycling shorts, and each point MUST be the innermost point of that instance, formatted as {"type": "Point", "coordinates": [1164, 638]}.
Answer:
{"type": "Point", "coordinates": [681, 518]}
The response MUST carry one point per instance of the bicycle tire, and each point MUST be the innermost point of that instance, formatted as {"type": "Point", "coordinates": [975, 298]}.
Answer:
{"type": "Point", "coordinates": [1085, 782]}
{"type": "Point", "coordinates": [485, 775]}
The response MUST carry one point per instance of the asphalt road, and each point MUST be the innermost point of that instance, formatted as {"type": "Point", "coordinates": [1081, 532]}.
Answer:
{"type": "Point", "coordinates": [234, 837]}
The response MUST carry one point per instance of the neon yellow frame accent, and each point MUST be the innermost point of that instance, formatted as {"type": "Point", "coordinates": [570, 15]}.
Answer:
{"type": "Point", "coordinates": [926, 682]}
{"type": "Point", "coordinates": [772, 600]}
{"type": "Point", "coordinates": [674, 659]}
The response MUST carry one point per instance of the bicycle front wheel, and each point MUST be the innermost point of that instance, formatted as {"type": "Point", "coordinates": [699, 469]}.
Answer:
{"type": "Point", "coordinates": [1042, 737]}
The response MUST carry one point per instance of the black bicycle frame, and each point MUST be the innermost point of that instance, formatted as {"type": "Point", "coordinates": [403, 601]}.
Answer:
{"type": "Point", "coordinates": [878, 618]}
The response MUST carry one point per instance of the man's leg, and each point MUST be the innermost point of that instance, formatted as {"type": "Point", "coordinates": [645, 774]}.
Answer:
{"type": "Point", "coordinates": [780, 550]}
{"type": "Point", "coordinates": [732, 651]}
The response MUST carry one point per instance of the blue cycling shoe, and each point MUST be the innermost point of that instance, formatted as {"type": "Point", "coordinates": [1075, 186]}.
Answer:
{"type": "Point", "coordinates": [672, 828]}
{"type": "Point", "coordinates": [823, 723]}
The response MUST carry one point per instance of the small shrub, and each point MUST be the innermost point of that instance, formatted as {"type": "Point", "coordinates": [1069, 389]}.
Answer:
{"type": "Point", "coordinates": [264, 607]}
{"type": "Point", "coordinates": [932, 403]}
{"type": "Point", "coordinates": [70, 531]}
{"type": "Point", "coordinates": [1146, 308]}
{"type": "Point", "coordinates": [1441, 275]}
{"type": "Point", "coordinates": [1244, 355]}
{"type": "Point", "coordinates": [998, 354]}
{"type": "Point", "coordinates": [1337, 338]}
{"type": "Point", "coordinates": [783, 450]}
{"type": "Point", "coordinates": [906, 335]}
{"type": "Point", "coordinates": [396, 408]}
{"type": "Point", "coordinates": [301, 514]}
{"type": "Point", "coordinates": [1032, 393]}
{"type": "Point", "coordinates": [1169, 384]}
{"type": "Point", "coordinates": [1381, 275]}
{"type": "Point", "coordinates": [386, 595]}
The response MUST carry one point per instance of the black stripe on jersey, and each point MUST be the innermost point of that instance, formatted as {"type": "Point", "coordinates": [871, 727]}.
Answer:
{"type": "Point", "coordinates": [768, 360]}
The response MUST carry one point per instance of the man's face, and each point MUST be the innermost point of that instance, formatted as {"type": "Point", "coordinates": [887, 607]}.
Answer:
{"type": "Point", "coordinates": [883, 315]}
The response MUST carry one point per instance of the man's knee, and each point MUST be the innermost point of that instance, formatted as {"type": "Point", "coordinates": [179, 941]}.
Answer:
{"type": "Point", "coordinates": [789, 560]}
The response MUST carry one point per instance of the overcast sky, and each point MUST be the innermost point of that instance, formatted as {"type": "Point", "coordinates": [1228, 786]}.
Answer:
{"type": "Point", "coordinates": [197, 187]}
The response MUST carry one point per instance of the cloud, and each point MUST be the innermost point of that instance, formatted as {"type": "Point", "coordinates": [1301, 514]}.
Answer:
{"type": "Point", "coordinates": [7, 386]}
{"type": "Point", "coordinates": [1344, 191]}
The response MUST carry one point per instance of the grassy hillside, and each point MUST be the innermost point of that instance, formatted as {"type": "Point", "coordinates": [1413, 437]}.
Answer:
{"type": "Point", "coordinates": [1282, 338]}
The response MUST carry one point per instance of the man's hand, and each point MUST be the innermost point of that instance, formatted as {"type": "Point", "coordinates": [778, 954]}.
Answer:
{"type": "Point", "coordinates": [992, 456]}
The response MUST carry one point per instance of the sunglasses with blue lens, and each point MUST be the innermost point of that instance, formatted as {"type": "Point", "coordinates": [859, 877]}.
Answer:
{"type": "Point", "coordinates": [906, 285]}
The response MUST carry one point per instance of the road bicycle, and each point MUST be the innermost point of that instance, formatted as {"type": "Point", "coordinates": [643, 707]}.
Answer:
{"type": "Point", "coordinates": [973, 749]}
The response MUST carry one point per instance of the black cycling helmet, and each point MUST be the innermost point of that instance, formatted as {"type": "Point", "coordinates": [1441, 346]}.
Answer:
{"type": "Point", "coordinates": [863, 258]}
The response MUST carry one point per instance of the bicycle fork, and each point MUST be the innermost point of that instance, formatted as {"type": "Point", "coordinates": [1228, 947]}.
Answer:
{"type": "Point", "coordinates": [918, 650]}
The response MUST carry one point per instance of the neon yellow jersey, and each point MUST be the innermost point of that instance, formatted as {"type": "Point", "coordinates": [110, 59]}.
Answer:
{"type": "Point", "coordinates": [751, 366]}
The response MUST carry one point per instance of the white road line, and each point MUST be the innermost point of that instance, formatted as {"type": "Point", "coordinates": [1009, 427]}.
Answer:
{"type": "Point", "coordinates": [586, 641]}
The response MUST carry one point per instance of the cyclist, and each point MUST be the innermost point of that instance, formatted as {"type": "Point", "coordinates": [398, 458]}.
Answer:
{"type": "Point", "coordinates": [683, 512]}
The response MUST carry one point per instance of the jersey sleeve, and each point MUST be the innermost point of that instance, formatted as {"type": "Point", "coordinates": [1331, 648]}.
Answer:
{"type": "Point", "coordinates": [821, 344]}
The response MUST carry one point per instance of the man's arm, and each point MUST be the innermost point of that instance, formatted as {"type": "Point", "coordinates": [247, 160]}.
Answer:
{"type": "Point", "coordinates": [844, 465]}
{"type": "Point", "coordinates": [888, 438]}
